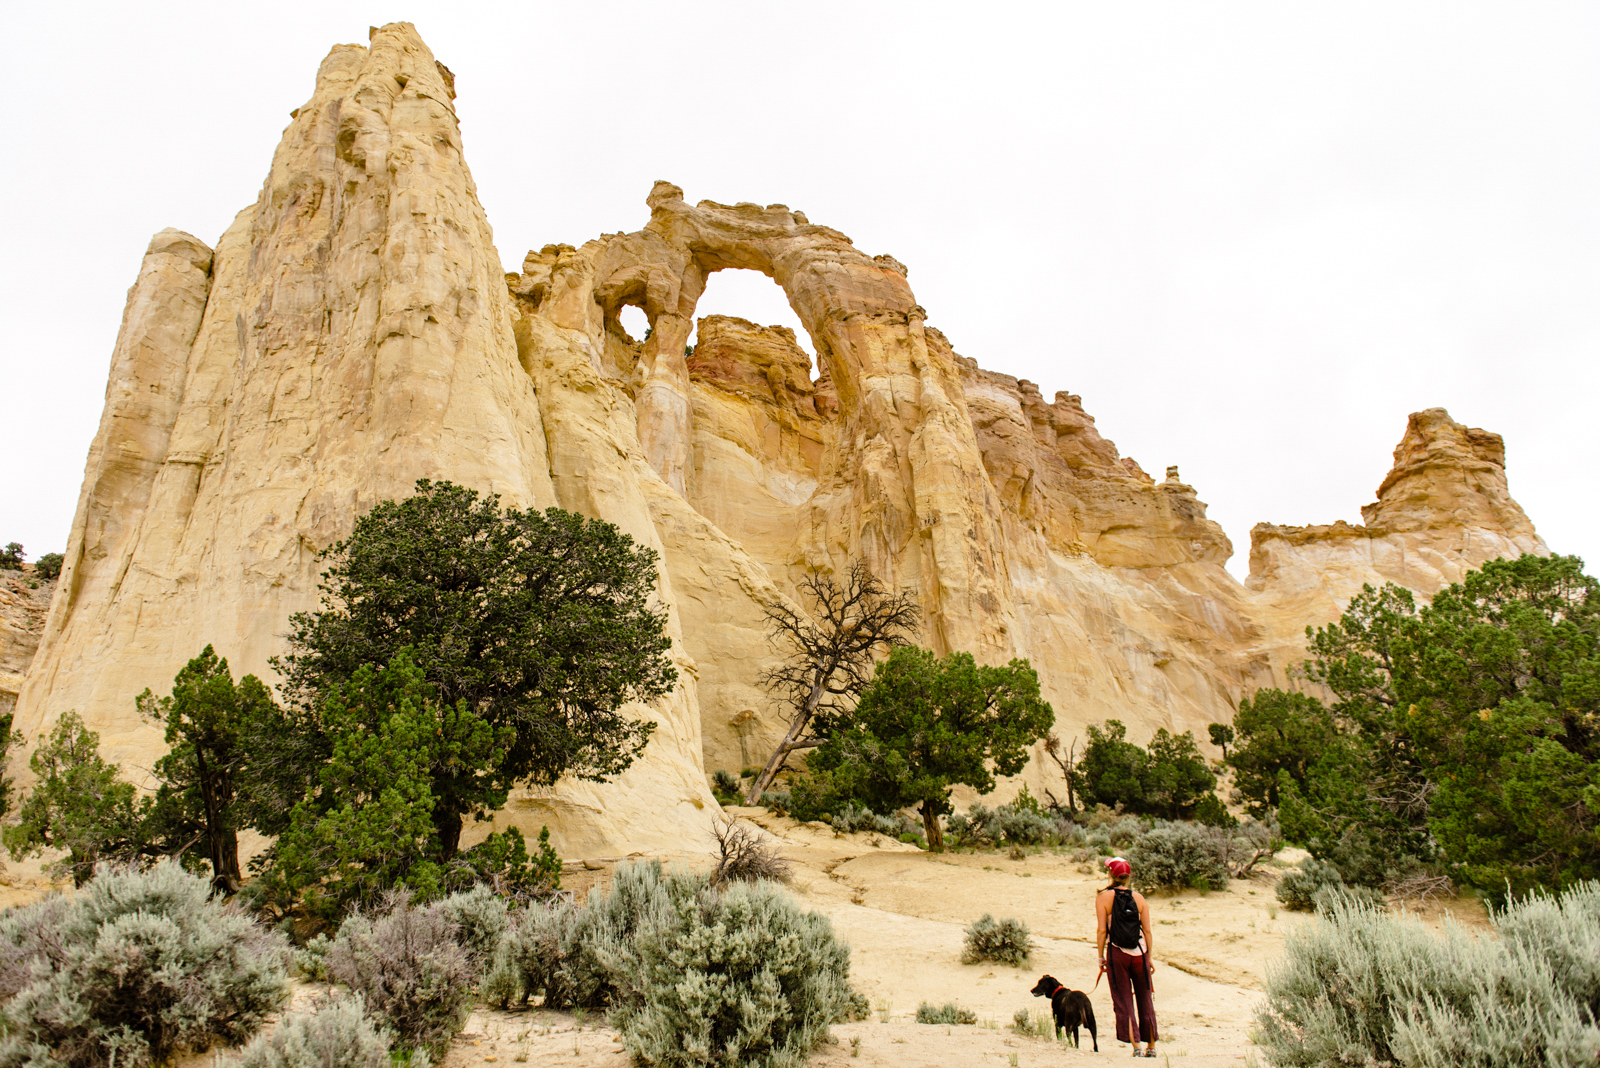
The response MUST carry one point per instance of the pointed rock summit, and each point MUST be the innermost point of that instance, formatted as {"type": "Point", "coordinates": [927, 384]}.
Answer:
{"type": "Point", "coordinates": [352, 332]}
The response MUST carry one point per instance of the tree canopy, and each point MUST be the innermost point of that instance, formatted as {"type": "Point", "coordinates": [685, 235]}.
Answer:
{"type": "Point", "coordinates": [210, 724]}
{"type": "Point", "coordinates": [924, 725]}
{"type": "Point", "coordinates": [1168, 779]}
{"type": "Point", "coordinates": [541, 622]}
{"type": "Point", "coordinates": [1465, 731]}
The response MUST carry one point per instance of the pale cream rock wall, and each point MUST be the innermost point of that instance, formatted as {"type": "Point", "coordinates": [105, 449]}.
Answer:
{"type": "Point", "coordinates": [352, 332]}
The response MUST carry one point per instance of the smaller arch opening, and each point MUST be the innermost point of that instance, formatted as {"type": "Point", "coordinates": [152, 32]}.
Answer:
{"type": "Point", "coordinates": [635, 323]}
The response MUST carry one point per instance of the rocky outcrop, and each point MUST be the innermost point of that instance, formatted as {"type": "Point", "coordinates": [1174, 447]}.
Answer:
{"type": "Point", "coordinates": [1443, 509]}
{"type": "Point", "coordinates": [24, 603]}
{"type": "Point", "coordinates": [352, 332]}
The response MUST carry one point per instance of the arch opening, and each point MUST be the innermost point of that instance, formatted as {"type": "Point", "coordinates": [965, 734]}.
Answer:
{"type": "Point", "coordinates": [744, 293]}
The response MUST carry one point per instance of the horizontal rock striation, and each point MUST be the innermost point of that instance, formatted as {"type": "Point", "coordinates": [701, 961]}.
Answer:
{"type": "Point", "coordinates": [352, 332]}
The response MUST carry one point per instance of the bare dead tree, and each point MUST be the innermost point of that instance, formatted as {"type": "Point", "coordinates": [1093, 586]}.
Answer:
{"type": "Point", "coordinates": [1068, 764]}
{"type": "Point", "coordinates": [743, 855]}
{"type": "Point", "coordinates": [831, 651]}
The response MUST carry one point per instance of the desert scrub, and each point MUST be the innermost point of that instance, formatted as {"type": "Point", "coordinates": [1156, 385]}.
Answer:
{"type": "Point", "coordinates": [1178, 856]}
{"type": "Point", "coordinates": [739, 976]}
{"type": "Point", "coordinates": [335, 1034]}
{"type": "Point", "coordinates": [481, 918]}
{"type": "Point", "coordinates": [571, 953]}
{"type": "Point", "coordinates": [1006, 941]}
{"type": "Point", "coordinates": [408, 968]}
{"type": "Point", "coordinates": [948, 1013]}
{"type": "Point", "coordinates": [1362, 986]}
{"type": "Point", "coordinates": [1298, 890]}
{"type": "Point", "coordinates": [853, 817]}
{"type": "Point", "coordinates": [1020, 822]}
{"type": "Point", "coordinates": [137, 967]}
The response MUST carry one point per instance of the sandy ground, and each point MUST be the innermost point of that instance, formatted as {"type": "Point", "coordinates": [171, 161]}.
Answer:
{"type": "Point", "coordinates": [903, 912]}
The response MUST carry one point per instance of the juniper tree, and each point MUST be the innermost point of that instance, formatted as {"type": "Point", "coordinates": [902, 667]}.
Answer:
{"type": "Point", "coordinates": [211, 727]}
{"type": "Point", "coordinates": [924, 725]}
{"type": "Point", "coordinates": [541, 622]}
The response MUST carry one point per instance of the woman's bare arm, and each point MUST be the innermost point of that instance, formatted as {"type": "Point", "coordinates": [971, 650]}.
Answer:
{"type": "Point", "coordinates": [1149, 938]}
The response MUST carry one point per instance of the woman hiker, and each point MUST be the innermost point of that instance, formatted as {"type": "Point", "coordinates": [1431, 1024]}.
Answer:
{"type": "Point", "coordinates": [1123, 943]}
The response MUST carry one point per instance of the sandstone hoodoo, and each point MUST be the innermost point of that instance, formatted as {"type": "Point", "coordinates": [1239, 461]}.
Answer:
{"type": "Point", "coordinates": [352, 332]}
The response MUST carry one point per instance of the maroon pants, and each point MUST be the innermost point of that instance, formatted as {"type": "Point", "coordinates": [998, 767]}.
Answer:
{"type": "Point", "coordinates": [1129, 977]}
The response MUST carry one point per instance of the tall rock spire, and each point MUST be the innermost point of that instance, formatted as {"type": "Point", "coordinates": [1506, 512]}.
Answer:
{"type": "Point", "coordinates": [351, 333]}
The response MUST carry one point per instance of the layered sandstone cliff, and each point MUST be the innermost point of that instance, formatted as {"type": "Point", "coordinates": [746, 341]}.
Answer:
{"type": "Point", "coordinates": [351, 332]}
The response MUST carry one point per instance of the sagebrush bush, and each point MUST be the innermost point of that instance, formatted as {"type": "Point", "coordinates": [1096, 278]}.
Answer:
{"type": "Point", "coordinates": [739, 976]}
{"type": "Point", "coordinates": [408, 967]}
{"type": "Point", "coordinates": [1178, 856]}
{"type": "Point", "coordinates": [311, 959]}
{"type": "Point", "coordinates": [335, 1034]}
{"type": "Point", "coordinates": [481, 917]}
{"type": "Point", "coordinates": [572, 953]}
{"type": "Point", "coordinates": [1364, 987]}
{"type": "Point", "coordinates": [853, 817]}
{"type": "Point", "coordinates": [136, 967]}
{"type": "Point", "coordinates": [1006, 940]}
{"type": "Point", "coordinates": [1298, 888]}
{"type": "Point", "coordinates": [948, 1013]}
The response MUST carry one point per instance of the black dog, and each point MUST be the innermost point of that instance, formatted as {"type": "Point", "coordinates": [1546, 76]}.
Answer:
{"type": "Point", "coordinates": [1071, 1008]}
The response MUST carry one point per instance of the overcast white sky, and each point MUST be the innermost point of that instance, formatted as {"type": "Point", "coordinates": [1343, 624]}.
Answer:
{"type": "Point", "coordinates": [1252, 236]}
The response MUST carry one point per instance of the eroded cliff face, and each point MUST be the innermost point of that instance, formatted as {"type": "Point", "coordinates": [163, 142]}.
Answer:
{"type": "Point", "coordinates": [352, 332]}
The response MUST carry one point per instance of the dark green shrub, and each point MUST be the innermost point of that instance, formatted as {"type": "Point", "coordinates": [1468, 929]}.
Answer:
{"type": "Point", "coordinates": [1179, 856]}
{"type": "Point", "coordinates": [501, 862]}
{"type": "Point", "coordinates": [1168, 779]}
{"type": "Point", "coordinates": [1213, 813]}
{"type": "Point", "coordinates": [1006, 941]}
{"type": "Point", "coordinates": [137, 967]}
{"type": "Point", "coordinates": [1365, 987]}
{"type": "Point", "coordinates": [335, 1034]}
{"type": "Point", "coordinates": [724, 787]}
{"type": "Point", "coordinates": [408, 968]}
{"type": "Point", "coordinates": [11, 556]}
{"type": "Point", "coordinates": [48, 566]}
{"type": "Point", "coordinates": [948, 1013]}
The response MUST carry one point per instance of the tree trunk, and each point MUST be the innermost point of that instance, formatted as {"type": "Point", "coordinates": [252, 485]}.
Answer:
{"type": "Point", "coordinates": [225, 875]}
{"type": "Point", "coordinates": [448, 826]}
{"type": "Point", "coordinates": [781, 754]}
{"type": "Point", "coordinates": [930, 826]}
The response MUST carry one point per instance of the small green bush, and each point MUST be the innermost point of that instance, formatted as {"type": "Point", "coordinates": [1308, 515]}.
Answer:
{"type": "Point", "coordinates": [1212, 812]}
{"type": "Point", "coordinates": [948, 1013]}
{"type": "Point", "coordinates": [336, 1034]}
{"type": "Point", "coordinates": [311, 959]}
{"type": "Point", "coordinates": [1006, 941]}
{"type": "Point", "coordinates": [1298, 889]}
{"type": "Point", "coordinates": [11, 557]}
{"type": "Point", "coordinates": [1178, 856]}
{"type": "Point", "coordinates": [408, 968]}
{"type": "Point", "coordinates": [138, 966]}
{"type": "Point", "coordinates": [738, 976]}
{"type": "Point", "coordinates": [724, 787]}
{"type": "Point", "coordinates": [1022, 1021]}
{"type": "Point", "coordinates": [48, 566]}
{"type": "Point", "coordinates": [1364, 987]}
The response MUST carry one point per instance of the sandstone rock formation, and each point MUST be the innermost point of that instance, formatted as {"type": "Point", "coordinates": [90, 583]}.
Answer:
{"type": "Point", "coordinates": [351, 332]}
